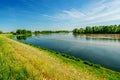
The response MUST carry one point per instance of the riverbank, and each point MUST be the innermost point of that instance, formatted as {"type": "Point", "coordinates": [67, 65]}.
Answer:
{"type": "Point", "coordinates": [23, 62]}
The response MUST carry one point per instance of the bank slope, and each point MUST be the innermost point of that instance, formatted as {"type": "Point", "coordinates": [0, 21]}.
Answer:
{"type": "Point", "coordinates": [19, 61]}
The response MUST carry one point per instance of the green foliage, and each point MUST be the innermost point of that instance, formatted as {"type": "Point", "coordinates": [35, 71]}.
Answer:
{"type": "Point", "coordinates": [112, 29]}
{"type": "Point", "coordinates": [88, 29]}
{"type": "Point", "coordinates": [76, 30]}
{"type": "Point", "coordinates": [23, 32]}
{"type": "Point", "coordinates": [44, 32]}
{"type": "Point", "coordinates": [1, 32]}
{"type": "Point", "coordinates": [62, 31]}
{"type": "Point", "coordinates": [36, 32]}
{"type": "Point", "coordinates": [92, 64]}
{"type": "Point", "coordinates": [81, 30]}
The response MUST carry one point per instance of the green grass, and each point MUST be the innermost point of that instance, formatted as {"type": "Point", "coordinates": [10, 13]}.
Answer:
{"type": "Point", "coordinates": [20, 61]}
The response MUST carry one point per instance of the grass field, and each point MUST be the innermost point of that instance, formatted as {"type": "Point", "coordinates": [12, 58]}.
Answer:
{"type": "Point", "coordinates": [19, 61]}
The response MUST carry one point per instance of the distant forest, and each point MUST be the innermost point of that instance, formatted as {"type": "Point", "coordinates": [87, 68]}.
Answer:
{"type": "Point", "coordinates": [112, 29]}
{"type": "Point", "coordinates": [60, 31]}
{"type": "Point", "coordinates": [29, 32]}
{"type": "Point", "coordinates": [23, 31]}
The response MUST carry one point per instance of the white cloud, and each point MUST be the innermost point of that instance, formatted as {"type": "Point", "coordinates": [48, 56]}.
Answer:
{"type": "Point", "coordinates": [105, 14]}
{"type": "Point", "coordinates": [103, 11]}
{"type": "Point", "coordinates": [73, 13]}
{"type": "Point", "coordinates": [111, 11]}
{"type": "Point", "coordinates": [67, 15]}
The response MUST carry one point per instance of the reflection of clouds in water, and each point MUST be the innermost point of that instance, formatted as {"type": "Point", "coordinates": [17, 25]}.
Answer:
{"type": "Point", "coordinates": [112, 40]}
{"type": "Point", "coordinates": [89, 42]}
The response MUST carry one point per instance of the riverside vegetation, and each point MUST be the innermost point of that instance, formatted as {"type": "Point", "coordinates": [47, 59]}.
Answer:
{"type": "Point", "coordinates": [110, 29]}
{"type": "Point", "coordinates": [29, 32]}
{"type": "Point", "coordinates": [19, 61]}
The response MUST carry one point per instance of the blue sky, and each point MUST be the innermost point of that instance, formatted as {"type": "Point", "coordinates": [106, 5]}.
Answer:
{"type": "Point", "coordinates": [57, 14]}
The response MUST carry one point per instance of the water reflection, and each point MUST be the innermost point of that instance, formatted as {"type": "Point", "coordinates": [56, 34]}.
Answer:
{"type": "Point", "coordinates": [77, 35]}
{"type": "Point", "coordinates": [99, 37]}
{"type": "Point", "coordinates": [22, 37]}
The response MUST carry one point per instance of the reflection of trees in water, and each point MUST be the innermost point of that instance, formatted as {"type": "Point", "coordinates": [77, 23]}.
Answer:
{"type": "Point", "coordinates": [23, 37]}
{"type": "Point", "coordinates": [109, 37]}
{"type": "Point", "coordinates": [78, 35]}
{"type": "Point", "coordinates": [36, 34]}
{"type": "Point", "coordinates": [45, 34]}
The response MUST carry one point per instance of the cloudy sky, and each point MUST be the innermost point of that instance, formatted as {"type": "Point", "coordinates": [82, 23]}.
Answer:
{"type": "Point", "coordinates": [57, 14]}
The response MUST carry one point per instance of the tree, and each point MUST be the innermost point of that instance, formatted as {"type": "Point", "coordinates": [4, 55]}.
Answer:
{"type": "Point", "coordinates": [18, 31]}
{"type": "Point", "coordinates": [36, 32]}
{"type": "Point", "coordinates": [88, 30]}
{"type": "Point", "coordinates": [75, 30]}
{"type": "Point", "coordinates": [29, 32]}
{"type": "Point", "coordinates": [23, 32]}
{"type": "Point", "coordinates": [112, 29]}
{"type": "Point", "coordinates": [118, 29]}
{"type": "Point", "coordinates": [81, 31]}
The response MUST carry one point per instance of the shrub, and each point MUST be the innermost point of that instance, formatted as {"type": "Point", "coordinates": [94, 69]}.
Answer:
{"type": "Point", "coordinates": [1, 32]}
{"type": "Point", "coordinates": [97, 65]}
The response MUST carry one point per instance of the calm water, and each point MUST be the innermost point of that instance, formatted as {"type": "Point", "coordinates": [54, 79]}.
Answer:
{"type": "Point", "coordinates": [102, 49]}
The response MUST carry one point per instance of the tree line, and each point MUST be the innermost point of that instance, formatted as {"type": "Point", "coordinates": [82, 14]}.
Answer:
{"type": "Point", "coordinates": [28, 32]}
{"type": "Point", "coordinates": [44, 32]}
{"type": "Point", "coordinates": [23, 32]}
{"type": "Point", "coordinates": [111, 29]}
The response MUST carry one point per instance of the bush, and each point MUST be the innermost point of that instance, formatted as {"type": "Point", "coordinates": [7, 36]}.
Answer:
{"type": "Point", "coordinates": [1, 32]}
{"type": "Point", "coordinates": [92, 64]}
{"type": "Point", "coordinates": [97, 65]}
{"type": "Point", "coordinates": [88, 63]}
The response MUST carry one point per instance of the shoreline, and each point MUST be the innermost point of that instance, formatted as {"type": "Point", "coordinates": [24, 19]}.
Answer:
{"type": "Point", "coordinates": [64, 55]}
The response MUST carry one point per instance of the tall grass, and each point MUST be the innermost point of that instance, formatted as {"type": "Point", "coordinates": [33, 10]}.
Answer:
{"type": "Point", "coordinates": [19, 61]}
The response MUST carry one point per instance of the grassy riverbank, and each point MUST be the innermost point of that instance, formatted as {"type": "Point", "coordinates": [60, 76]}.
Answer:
{"type": "Point", "coordinates": [20, 61]}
